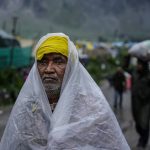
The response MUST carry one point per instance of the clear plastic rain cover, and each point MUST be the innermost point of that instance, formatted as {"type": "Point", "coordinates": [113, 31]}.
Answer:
{"type": "Point", "coordinates": [82, 119]}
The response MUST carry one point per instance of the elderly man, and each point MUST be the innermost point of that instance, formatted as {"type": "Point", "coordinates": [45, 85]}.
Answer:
{"type": "Point", "coordinates": [60, 107]}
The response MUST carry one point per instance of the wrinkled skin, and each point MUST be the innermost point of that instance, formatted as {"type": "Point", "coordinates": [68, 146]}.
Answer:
{"type": "Point", "coordinates": [51, 69]}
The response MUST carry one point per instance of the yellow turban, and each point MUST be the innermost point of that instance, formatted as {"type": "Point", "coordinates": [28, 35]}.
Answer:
{"type": "Point", "coordinates": [54, 44]}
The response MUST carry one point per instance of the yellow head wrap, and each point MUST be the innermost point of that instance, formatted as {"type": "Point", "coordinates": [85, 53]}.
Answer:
{"type": "Point", "coordinates": [54, 44]}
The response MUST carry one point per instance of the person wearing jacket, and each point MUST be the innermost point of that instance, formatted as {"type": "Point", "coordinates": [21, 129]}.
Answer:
{"type": "Point", "coordinates": [119, 87]}
{"type": "Point", "coordinates": [141, 101]}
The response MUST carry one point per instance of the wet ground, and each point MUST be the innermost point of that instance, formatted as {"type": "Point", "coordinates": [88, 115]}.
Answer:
{"type": "Point", "coordinates": [4, 114]}
{"type": "Point", "coordinates": [123, 115]}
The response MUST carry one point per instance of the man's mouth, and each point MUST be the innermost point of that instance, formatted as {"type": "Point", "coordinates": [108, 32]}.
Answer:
{"type": "Point", "coordinates": [49, 79]}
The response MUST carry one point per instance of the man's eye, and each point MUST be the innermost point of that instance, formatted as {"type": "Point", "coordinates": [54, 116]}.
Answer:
{"type": "Point", "coordinates": [42, 62]}
{"type": "Point", "coordinates": [59, 61]}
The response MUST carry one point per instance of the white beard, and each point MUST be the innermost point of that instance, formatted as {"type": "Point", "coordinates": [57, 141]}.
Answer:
{"type": "Point", "coordinates": [52, 89]}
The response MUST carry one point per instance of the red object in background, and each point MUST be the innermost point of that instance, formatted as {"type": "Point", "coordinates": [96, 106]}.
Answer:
{"type": "Point", "coordinates": [128, 81]}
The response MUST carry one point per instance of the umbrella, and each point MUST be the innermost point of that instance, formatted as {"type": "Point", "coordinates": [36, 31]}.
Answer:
{"type": "Point", "coordinates": [141, 50]}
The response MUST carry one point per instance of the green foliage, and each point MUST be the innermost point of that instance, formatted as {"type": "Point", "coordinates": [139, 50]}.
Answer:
{"type": "Point", "coordinates": [11, 81]}
{"type": "Point", "coordinates": [98, 73]}
{"type": "Point", "coordinates": [93, 68]}
{"type": "Point", "coordinates": [122, 53]}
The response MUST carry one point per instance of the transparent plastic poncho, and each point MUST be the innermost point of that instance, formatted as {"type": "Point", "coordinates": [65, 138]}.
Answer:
{"type": "Point", "coordinates": [82, 119]}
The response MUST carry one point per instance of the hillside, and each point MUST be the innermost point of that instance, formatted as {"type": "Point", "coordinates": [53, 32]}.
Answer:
{"type": "Point", "coordinates": [80, 19]}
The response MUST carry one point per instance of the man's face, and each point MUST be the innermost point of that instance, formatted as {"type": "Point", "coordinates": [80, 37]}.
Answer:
{"type": "Point", "coordinates": [51, 69]}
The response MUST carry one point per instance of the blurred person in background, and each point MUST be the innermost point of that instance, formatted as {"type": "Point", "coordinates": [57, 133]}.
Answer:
{"type": "Point", "coordinates": [119, 81]}
{"type": "Point", "coordinates": [60, 106]}
{"type": "Point", "coordinates": [141, 101]}
{"type": "Point", "coordinates": [140, 95]}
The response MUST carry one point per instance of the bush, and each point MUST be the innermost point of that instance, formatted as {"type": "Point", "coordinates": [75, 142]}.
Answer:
{"type": "Point", "coordinates": [98, 73]}
{"type": "Point", "coordinates": [11, 82]}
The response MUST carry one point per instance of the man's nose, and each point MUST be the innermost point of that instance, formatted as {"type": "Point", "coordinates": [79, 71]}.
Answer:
{"type": "Point", "coordinates": [50, 67]}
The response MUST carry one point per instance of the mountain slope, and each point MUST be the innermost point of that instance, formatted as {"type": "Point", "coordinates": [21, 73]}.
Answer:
{"type": "Point", "coordinates": [87, 19]}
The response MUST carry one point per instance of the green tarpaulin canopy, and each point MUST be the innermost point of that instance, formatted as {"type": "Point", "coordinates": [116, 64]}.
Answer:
{"type": "Point", "coordinates": [15, 57]}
